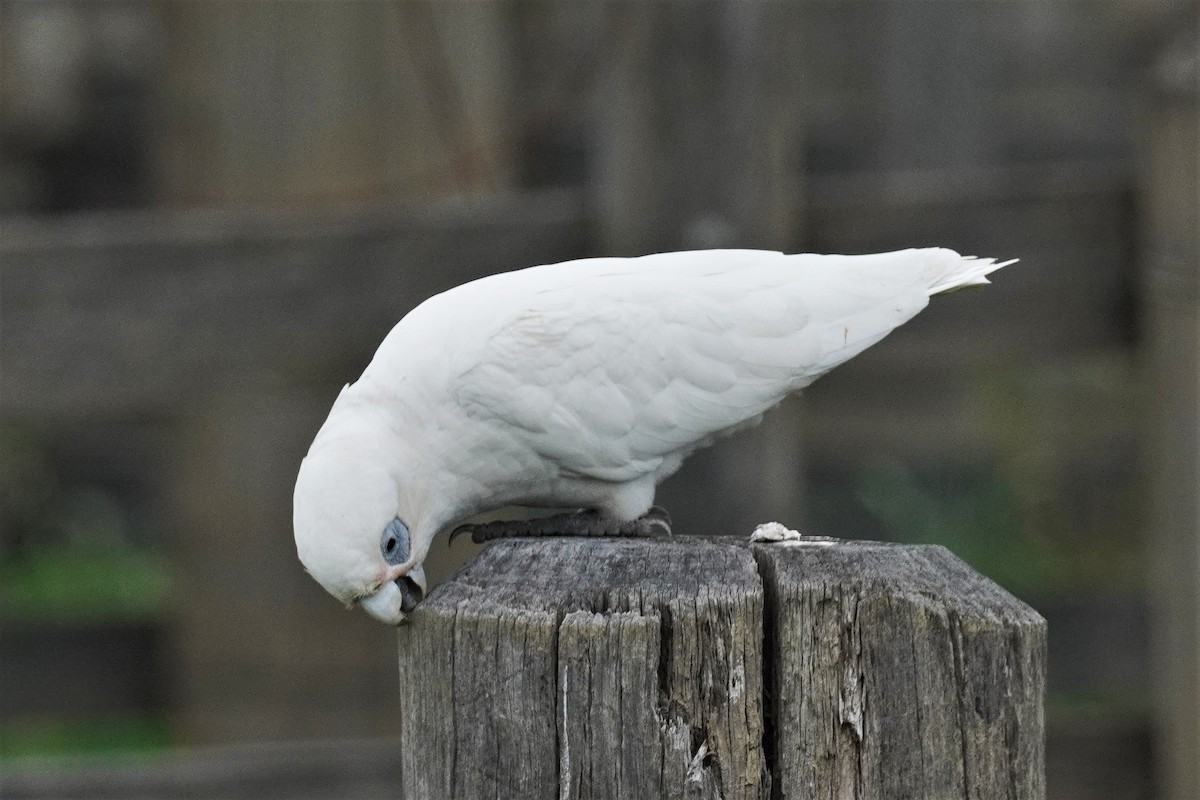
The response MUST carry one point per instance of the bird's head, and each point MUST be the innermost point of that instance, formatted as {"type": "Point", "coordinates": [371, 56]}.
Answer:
{"type": "Point", "coordinates": [352, 534]}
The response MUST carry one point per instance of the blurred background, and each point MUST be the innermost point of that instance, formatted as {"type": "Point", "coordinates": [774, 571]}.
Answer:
{"type": "Point", "coordinates": [211, 213]}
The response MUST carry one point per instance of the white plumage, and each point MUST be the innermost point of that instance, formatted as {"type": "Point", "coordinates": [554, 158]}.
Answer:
{"type": "Point", "coordinates": [581, 384]}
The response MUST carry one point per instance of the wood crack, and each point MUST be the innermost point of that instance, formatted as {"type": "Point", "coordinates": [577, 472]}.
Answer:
{"type": "Point", "coordinates": [589, 670]}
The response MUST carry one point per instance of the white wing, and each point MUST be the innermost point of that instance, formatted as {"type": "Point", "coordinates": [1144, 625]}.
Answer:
{"type": "Point", "coordinates": [618, 368]}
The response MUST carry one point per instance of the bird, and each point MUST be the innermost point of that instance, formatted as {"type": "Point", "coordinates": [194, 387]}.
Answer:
{"type": "Point", "coordinates": [578, 385]}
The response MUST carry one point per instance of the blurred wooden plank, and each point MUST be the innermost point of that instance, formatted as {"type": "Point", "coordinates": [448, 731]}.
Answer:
{"type": "Point", "coordinates": [1172, 195]}
{"type": "Point", "coordinates": [145, 312]}
{"type": "Point", "coordinates": [246, 621]}
{"type": "Point", "coordinates": [697, 141]}
{"type": "Point", "coordinates": [273, 102]}
{"type": "Point", "coordinates": [1066, 304]}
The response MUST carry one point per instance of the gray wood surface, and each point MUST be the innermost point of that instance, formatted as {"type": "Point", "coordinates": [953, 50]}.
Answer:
{"type": "Point", "coordinates": [710, 668]}
{"type": "Point", "coordinates": [897, 671]}
{"type": "Point", "coordinates": [623, 669]}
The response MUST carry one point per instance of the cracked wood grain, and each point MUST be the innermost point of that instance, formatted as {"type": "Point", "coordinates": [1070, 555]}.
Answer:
{"type": "Point", "coordinates": [587, 669]}
{"type": "Point", "coordinates": [701, 669]}
{"type": "Point", "coordinates": [900, 672]}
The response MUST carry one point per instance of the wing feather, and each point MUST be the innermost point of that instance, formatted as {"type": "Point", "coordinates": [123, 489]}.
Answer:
{"type": "Point", "coordinates": [611, 372]}
{"type": "Point", "coordinates": [618, 368]}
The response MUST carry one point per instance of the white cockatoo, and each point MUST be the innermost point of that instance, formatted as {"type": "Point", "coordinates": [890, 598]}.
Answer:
{"type": "Point", "coordinates": [578, 385]}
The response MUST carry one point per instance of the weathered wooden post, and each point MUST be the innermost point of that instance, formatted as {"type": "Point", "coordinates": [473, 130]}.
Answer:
{"type": "Point", "coordinates": [710, 668]}
{"type": "Point", "coordinates": [1171, 267]}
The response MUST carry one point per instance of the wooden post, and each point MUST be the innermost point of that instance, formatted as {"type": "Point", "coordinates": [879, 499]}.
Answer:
{"type": "Point", "coordinates": [710, 668]}
{"type": "Point", "coordinates": [1171, 214]}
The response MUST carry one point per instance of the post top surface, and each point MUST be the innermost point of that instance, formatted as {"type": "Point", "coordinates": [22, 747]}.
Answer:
{"type": "Point", "coordinates": [604, 575]}
{"type": "Point", "coordinates": [539, 575]}
{"type": "Point", "coordinates": [919, 573]}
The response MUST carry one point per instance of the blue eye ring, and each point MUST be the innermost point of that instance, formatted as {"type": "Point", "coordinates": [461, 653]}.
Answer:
{"type": "Point", "coordinates": [394, 545]}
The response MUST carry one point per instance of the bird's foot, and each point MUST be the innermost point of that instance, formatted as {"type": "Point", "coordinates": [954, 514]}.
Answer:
{"type": "Point", "coordinates": [655, 522]}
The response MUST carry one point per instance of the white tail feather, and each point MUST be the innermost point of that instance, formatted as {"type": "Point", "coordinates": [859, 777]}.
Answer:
{"type": "Point", "coordinates": [965, 271]}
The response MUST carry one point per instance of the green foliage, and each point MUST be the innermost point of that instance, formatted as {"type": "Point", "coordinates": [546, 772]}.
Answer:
{"type": "Point", "coordinates": [67, 550]}
{"type": "Point", "coordinates": [979, 519]}
{"type": "Point", "coordinates": [1098, 706]}
{"type": "Point", "coordinates": [1030, 547]}
{"type": "Point", "coordinates": [23, 739]}
{"type": "Point", "coordinates": [1062, 506]}
{"type": "Point", "coordinates": [1067, 437]}
{"type": "Point", "coordinates": [89, 579]}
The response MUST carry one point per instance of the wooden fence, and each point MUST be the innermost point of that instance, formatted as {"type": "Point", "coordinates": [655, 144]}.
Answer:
{"type": "Point", "coordinates": [146, 313]}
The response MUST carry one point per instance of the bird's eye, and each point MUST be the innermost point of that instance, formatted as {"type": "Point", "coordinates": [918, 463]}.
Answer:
{"type": "Point", "coordinates": [394, 544]}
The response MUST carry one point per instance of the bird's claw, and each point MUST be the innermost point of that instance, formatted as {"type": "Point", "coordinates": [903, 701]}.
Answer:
{"type": "Point", "coordinates": [654, 523]}
{"type": "Point", "coordinates": [468, 528]}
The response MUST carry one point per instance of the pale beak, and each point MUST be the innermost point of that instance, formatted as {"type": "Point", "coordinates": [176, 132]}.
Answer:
{"type": "Point", "coordinates": [393, 601]}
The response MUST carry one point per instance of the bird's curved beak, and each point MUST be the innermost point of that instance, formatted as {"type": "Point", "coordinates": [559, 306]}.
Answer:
{"type": "Point", "coordinates": [394, 600]}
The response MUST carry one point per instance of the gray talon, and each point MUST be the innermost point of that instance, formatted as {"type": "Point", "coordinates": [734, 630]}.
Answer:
{"type": "Point", "coordinates": [658, 527]}
{"type": "Point", "coordinates": [654, 523]}
{"type": "Point", "coordinates": [588, 522]}
{"type": "Point", "coordinates": [658, 514]}
{"type": "Point", "coordinates": [459, 531]}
